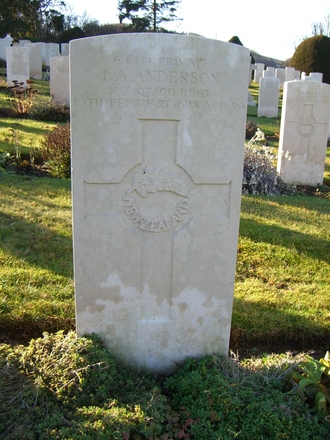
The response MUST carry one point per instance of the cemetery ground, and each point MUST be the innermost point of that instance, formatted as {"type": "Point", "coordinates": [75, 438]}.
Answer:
{"type": "Point", "coordinates": [58, 386]}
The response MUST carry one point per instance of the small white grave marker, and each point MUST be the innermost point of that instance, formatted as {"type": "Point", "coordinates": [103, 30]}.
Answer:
{"type": "Point", "coordinates": [304, 132]}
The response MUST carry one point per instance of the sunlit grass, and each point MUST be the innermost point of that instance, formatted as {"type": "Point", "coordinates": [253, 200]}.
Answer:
{"type": "Point", "coordinates": [282, 288]}
{"type": "Point", "coordinates": [22, 134]}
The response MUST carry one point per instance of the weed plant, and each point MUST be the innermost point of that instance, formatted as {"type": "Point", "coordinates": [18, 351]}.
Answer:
{"type": "Point", "coordinates": [56, 151]}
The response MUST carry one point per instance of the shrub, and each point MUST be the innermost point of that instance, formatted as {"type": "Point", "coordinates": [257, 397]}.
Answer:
{"type": "Point", "coordinates": [250, 130]}
{"type": "Point", "coordinates": [49, 111]}
{"type": "Point", "coordinates": [55, 150]}
{"type": "Point", "coordinates": [312, 55]}
{"type": "Point", "coordinates": [259, 174]}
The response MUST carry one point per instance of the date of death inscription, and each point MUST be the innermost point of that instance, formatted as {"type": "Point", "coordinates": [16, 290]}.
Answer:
{"type": "Point", "coordinates": [164, 83]}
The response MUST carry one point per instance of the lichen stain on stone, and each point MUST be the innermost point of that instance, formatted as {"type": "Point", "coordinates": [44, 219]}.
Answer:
{"type": "Point", "coordinates": [97, 308]}
{"type": "Point", "coordinates": [200, 320]}
{"type": "Point", "coordinates": [183, 307]}
{"type": "Point", "coordinates": [115, 296]}
{"type": "Point", "coordinates": [159, 300]}
{"type": "Point", "coordinates": [208, 303]}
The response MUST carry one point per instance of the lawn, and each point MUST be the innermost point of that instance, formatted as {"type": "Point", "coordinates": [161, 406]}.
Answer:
{"type": "Point", "coordinates": [62, 387]}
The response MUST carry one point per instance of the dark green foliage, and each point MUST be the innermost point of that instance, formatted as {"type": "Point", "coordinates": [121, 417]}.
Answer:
{"type": "Point", "coordinates": [235, 40]}
{"type": "Point", "coordinates": [71, 34]}
{"type": "Point", "coordinates": [313, 55]}
{"type": "Point", "coordinates": [32, 19]}
{"type": "Point", "coordinates": [227, 401]}
{"type": "Point", "coordinates": [148, 15]}
{"type": "Point", "coordinates": [93, 28]}
{"type": "Point", "coordinates": [56, 151]}
{"type": "Point", "coordinates": [64, 387]}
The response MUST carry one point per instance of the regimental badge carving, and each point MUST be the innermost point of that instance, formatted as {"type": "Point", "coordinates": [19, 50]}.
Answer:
{"type": "Point", "coordinates": [151, 180]}
{"type": "Point", "coordinates": [306, 127]}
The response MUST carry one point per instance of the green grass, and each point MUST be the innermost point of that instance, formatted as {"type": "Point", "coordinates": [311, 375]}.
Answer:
{"type": "Point", "coordinates": [282, 290]}
{"type": "Point", "coordinates": [22, 134]}
{"type": "Point", "coordinates": [36, 287]}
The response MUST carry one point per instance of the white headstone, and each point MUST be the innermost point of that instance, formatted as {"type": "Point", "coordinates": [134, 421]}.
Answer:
{"type": "Point", "coordinates": [59, 80]}
{"type": "Point", "coordinates": [268, 97]}
{"type": "Point", "coordinates": [4, 43]}
{"type": "Point", "coordinates": [271, 69]}
{"type": "Point", "coordinates": [24, 42]}
{"type": "Point", "coordinates": [304, 132]}
{"type": "Point", "coordinates": [18, 65]}
{"type": "Point", "coordinates": [268, 74]}
{"type": "Point", "coordinates": [9, 38]}
{"type": "Point", "coordinates": [51, 50]}
{"type": "Point", "coordinates": [316, 76]}
{"type": "Point", "coordinates": [44, 53]}
{"type": "Point", "coordinates": [65, 49]}
{"type": "Point", "coordinates": [290, 73]}
{"type": "Point", "coordinates": [35, 60]}
{"type": "Point", "coordinates": [258, 73]}
{"type": "Point", "coordinates": [280, 73]}
{"type": "Point", "coordinates": [158, 130]}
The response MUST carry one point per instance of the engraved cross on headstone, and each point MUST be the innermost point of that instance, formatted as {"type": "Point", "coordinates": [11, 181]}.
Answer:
{"type": "Point", "coordinates": [306, 125]}
{"type": "Point", "coordinates": [156, 200]}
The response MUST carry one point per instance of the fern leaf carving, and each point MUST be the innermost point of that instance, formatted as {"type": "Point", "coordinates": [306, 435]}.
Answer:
{"type": "Point", "coordinates": [151, 180]}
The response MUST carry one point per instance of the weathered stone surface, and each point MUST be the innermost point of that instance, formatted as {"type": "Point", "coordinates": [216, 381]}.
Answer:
{"type": "Point", "coordinates": [158, 129]}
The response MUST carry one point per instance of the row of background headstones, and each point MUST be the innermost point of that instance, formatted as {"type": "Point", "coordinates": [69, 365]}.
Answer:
{"type": "Point", "coordinates": [47, 50]}
{"type": "Point", "coordinates": [271, 80]}
{"type": "Point", "coordinates": [25, 60]}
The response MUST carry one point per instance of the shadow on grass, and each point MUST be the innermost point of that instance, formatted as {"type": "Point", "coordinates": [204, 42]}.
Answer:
{"type": "Point", "coordinates": [36, 244]}
{"type": "Point", "coordinates": [315, 247]}
{"type": "Point", "coordinates": [17, 124]}
{"type": "Point", "coordinates": [262, 326]}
